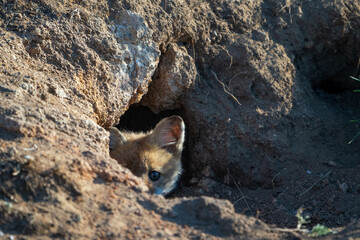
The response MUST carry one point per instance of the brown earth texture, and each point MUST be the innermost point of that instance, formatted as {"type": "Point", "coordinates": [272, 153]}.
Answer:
{"type": "Point", "coordinates": [264, 89]}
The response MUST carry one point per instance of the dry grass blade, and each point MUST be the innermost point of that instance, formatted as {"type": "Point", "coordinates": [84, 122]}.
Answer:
{"type": "Point", "coordinates": [327, 174]}
{"type": "Point", "coordinates": [224, 86]}
{"type": "Point", "coordinates": [242, 195]}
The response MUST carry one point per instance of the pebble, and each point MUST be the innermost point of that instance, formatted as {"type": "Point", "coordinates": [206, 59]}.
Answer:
{"type": "Point", "coordinates": [28, 157]}
{"type": "Point", "coordinates": [280, 22]}
{"type": "Point", "coordinates": [12, 152]}
{"type": "Point", "coordinates": [343, 187]}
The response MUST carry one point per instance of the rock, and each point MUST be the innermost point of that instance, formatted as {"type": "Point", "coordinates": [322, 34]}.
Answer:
{"type": "Point", "coordinates": [176, 75]}
{"type": "Point", "coordinates": [138, 55]}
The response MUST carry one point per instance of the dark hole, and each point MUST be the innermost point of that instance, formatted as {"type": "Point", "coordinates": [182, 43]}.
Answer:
{"type": "Point", "coordinates": [140, 118]}
{"type": "Point", "coordinates": [329, 86]}
{"type": "Point", "coordinates": [339, 84]}
{"type": "Point", "coordinates": [331, 72]}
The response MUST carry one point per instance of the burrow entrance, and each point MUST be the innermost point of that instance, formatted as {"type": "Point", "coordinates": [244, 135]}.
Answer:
{"type": "Point", "coordinates": [140, 118]}
{"type": "Point", "coordinates": [337, 82]}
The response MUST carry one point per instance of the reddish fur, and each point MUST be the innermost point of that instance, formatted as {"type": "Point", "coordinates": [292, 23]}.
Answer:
{"type": "Point", "coordinates": [158, 150]}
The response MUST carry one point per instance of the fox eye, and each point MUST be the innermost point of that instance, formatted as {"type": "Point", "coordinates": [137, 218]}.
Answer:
{"type": "Point", "coordinates": [154, 175]}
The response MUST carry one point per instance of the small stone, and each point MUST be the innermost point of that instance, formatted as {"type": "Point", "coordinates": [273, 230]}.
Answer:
{"type": "Point", "coordinates": [343, 187]}
{"type": "Point", "coordinates": [138, 212]}
{"type": "Point", "coordinates": [12, 152]}
{"type": "Point", "coordinates": [280, 22]}
{"type": "Point", "coordinates": [168, 232]}
{"type": "Point", "coordinates": [36, 32]}
{"type": "Point", "coordinates": [28, 157]}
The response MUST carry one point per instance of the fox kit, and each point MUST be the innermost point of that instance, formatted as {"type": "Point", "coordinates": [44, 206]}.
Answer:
{"type": "Point", "coordinates": [154, 156]}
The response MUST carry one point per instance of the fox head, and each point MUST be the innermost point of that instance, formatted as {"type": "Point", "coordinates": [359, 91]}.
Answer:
{"type": "Point", "coordinates": [154, 156]}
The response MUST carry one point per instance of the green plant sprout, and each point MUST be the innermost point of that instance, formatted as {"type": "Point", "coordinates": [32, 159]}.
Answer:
{"type": "Point", "coordinates": [320, 230]}
{"type": "Point", "coordinates": [357, 120]}
{"type": "Point", "coordinates": [317, 230]}
{"type": "Point", "coordinates": [301, 219]}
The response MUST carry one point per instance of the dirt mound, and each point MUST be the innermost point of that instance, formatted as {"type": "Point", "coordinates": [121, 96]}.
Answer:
{"type": "Point", "coordinates": [263, 87]}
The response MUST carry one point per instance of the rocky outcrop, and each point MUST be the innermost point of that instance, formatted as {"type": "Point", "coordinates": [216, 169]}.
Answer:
{"type": "Point", "coordinates": [176, 74]}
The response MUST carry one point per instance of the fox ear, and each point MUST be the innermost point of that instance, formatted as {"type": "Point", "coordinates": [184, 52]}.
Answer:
{"type": "Point", "coordinates": [169, 134]}
{"type": "Point", "coordinates": [116, 138]}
